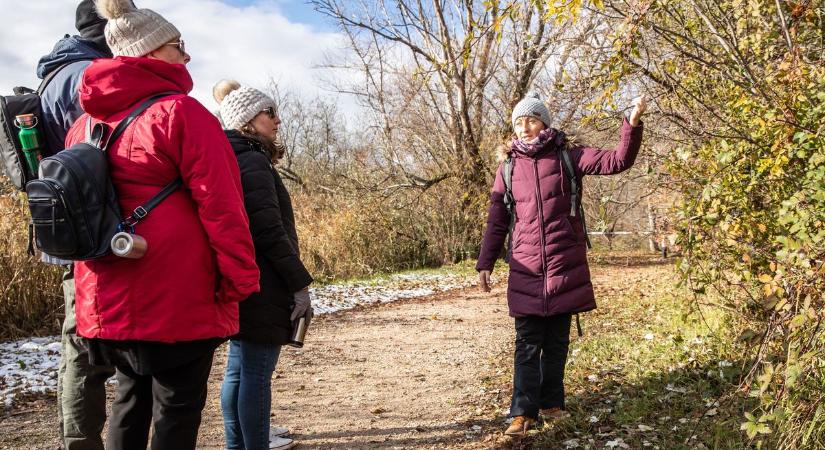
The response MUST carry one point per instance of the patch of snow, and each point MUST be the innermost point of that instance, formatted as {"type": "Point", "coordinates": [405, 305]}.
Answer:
{"type": "Point", "coordinates": [337, 297]}
{"type": "Point", "coordinates": [28, 366]}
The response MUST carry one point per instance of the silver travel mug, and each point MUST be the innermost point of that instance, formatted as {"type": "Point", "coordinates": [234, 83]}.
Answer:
{"type": "Point", "coordinates": [299, 332]}
{"type": "Point", "coordinates": [127, 245]}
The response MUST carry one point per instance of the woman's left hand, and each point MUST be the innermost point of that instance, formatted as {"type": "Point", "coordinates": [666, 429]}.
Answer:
{"type": "Point", "coordinates": [639, 107]}
{"type": "Point", "coordinates": [303, 303]}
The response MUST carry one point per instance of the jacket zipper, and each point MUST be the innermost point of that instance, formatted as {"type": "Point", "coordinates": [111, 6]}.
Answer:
{"type": "Point", "coordinates": [541, 237]}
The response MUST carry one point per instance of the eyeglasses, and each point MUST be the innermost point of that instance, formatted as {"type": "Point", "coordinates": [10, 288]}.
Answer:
{"type": "Point", "coordinates": [179, 44]}
{"type": "Point", "coordinates": [270, 112]}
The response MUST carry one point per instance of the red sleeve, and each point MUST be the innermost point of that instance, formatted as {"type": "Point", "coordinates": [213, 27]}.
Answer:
{"type": "Point", "coordinates": [595, 161]}
{"type": "Point", "coordinates": [210, 171]}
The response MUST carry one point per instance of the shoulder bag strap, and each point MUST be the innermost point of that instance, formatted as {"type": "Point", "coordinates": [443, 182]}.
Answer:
{"type": "Point", "coordinates": [48, 78]}
{"type": "Point", "coordinates": [132, 116]}
{"type": "Point", "coordinates": [142, 211]}
{"type": "Point", "coordinates": [509, 201]}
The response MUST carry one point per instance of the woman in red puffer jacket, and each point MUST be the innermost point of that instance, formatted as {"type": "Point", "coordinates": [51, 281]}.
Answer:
{"type": "Point", "coordinates": [159, 318]}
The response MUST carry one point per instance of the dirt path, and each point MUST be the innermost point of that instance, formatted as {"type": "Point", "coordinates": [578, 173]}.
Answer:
{"type": "Point", "coordinates": [399, 375]}
{"type": "Point", "coordinates": [406, 374]}
{"type": "Point", "coordinates": [410, 374]}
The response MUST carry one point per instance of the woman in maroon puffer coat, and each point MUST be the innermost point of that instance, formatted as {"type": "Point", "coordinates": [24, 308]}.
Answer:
{"type": "Point", "coordinates": [549, 278]}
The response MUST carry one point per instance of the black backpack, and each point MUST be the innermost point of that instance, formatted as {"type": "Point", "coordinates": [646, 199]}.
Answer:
{"type": "Point", "coordinates": [73, 205]}
{"type": "Point", "coordinates": [24, 101]}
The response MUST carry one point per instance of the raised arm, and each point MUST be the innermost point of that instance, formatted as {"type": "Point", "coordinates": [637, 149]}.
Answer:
{"type": "Point", "coordinates": [594, 161]}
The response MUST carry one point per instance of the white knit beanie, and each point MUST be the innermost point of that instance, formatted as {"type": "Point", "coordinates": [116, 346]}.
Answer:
{"type": "Point", "coordinates": [532, 106]}
{"type": "Point", "coordinates": [134, 32]}
{"type": "Point", "coordinates": [240, 104]}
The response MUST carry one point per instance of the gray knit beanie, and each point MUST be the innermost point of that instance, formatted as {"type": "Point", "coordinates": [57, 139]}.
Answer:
{"type": "Point", "coordinates": [134, 32]}
{"type": "Point", "coordinates": [240, 104]}
{"type": "Point", "coordinates": [531, 105]}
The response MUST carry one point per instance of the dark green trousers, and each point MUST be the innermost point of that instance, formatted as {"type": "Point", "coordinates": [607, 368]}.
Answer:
{"type": "Point", "coordinates": [81, 387]}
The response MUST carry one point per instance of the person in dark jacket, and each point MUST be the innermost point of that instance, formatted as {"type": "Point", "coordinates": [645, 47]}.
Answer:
{"type": "Point", "coordinates": [71, 55]}
{"type": "Point", "coordinates": [265, 317]}
{"type": "Point", "coordinates": [549, 277]}
{"type": "Point", "coordinates": [81, 387]}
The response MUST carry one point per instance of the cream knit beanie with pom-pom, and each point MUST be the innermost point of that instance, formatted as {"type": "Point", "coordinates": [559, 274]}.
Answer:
{"type": "Point", "coordinates": [134, 32]}
{"type": "Point", "coordinates": [240, 104]}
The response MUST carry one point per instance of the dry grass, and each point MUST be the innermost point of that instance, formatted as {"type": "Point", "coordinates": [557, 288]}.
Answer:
{"type": "Point", "coordinates": [30, 293]}
{"type": "Point", "coordinates": [354, 237]}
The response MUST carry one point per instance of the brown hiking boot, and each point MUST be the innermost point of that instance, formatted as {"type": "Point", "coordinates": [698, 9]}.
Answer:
{"type": "Point", "coordinates": [519, 426]}
{"type": "Point", "coordinates": [554, 413]}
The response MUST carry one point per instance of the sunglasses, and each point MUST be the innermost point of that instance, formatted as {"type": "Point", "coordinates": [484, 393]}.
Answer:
{"type": "Point", "coordinates": [270, 112]}
{"type": "Point", "coordinates": [180, 45]}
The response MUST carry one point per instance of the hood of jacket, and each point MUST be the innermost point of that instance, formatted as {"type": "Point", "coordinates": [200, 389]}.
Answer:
{"type": "Point", "coordinates": [67, 50]}
{"type": "Point", "coordinates": [113, 85]}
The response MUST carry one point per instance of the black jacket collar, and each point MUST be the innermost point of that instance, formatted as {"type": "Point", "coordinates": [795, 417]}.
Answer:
{"type": "Point", "coordinates": [242, 143]}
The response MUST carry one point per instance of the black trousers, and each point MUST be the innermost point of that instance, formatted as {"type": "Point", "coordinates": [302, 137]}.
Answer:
{"type": "Point", "coordinates": [171, 399]}
{"type": "Point", "coordinates": [538, 373]}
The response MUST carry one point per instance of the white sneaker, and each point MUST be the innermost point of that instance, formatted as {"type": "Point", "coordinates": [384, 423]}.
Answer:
{"type": "Point", "coordinates": [276, 431]}
{"type": "Point", "coordinates": [281, 443]}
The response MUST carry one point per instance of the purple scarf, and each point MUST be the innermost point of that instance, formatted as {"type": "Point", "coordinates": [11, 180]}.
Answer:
{"type": "Point", "coordinates": [545, 136]}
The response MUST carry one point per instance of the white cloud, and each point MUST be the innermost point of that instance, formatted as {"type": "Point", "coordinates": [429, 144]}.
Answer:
{"type": "Point", "coordinates": [251, 44]}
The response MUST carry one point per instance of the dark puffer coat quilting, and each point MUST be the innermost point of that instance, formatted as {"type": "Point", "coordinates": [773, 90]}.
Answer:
{"type": "Point", "coordinates": [264, 316]}
{"type": "Point", "coordinates": [549, 274]}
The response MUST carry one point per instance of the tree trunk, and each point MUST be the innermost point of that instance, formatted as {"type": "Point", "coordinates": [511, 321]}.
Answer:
{"type": "Point", "coordinates": [651, 227]}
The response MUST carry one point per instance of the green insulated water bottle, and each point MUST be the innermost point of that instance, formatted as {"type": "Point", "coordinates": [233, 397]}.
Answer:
{"type": "Point", "coordinates": [30, 140]}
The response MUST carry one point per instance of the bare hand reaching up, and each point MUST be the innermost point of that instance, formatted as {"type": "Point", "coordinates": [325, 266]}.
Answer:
{"type": "Point", "coordinates": [639, 107]}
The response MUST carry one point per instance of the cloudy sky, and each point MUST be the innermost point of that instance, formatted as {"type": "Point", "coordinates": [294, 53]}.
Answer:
{"type": "Point", "coordinates": [249, 40]}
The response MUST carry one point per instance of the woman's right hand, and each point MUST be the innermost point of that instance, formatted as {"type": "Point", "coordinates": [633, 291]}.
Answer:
{"type": "Point", "coordinates": [484, 280]}
{"type": "Point", "coordinates": [639, 108]}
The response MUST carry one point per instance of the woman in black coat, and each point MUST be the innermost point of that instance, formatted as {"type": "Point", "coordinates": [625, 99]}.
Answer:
{"type": "Point", "coordinates": [265, 317]}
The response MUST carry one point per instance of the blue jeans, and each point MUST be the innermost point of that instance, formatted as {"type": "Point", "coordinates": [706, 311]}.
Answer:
{"type": "Point", "coordinates": [246, 394]}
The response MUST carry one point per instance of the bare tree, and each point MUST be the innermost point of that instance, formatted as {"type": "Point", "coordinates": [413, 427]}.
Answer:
{"type": "Point", "coordinates": [440, 78]}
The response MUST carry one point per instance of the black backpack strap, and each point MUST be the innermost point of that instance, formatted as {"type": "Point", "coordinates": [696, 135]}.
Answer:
{"type": "Point", "coordinates": [50, 76]}
{"type": "Point", "coordinates": [579, 326]}
{"type": "Point", "coordinates": [509, 201]}
{"type": "Point", "coordinates": [95, 134]}
{"type": "Point", "coordinates": [574, 182]}
{"type": "Point", "coordinates": [142, 211]}
{"type": "Point", "coordinates": [132, 116]}
{"type": "Point", "coordinates": [575, 190]}
{"type": "Point", "coordinates": [507, 176]}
